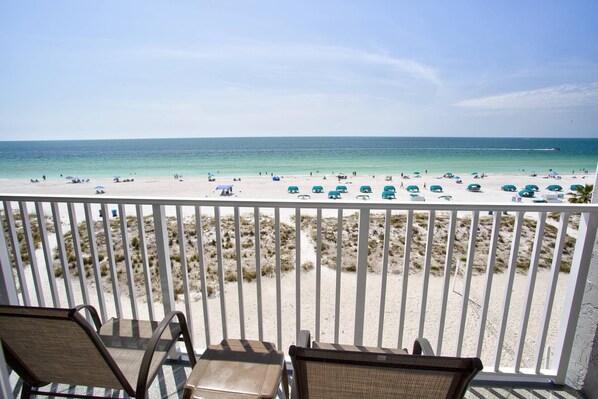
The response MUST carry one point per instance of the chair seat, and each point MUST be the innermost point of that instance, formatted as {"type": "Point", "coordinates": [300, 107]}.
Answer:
{"type": "Point", "coordinates": [126, 341]}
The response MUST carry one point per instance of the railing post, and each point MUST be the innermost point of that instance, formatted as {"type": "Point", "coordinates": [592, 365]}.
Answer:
{"type": "Point", "coordinates": [362, 272]}
{"type": "Point", "coordinates": [579, 288]}
{"type": "Point", "coordinates": [8, 289]}
{"type": "Point", "coordinates": [163, 258]}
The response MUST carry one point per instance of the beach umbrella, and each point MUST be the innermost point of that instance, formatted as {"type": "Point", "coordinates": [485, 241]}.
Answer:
{"type": "Point", "coordinates": [457, 177]}
{"type": "Point", "coordinates": [99, 187]}
{"type": "Point", "coordinates": [474, 173]}
{"type": "Point", "coordinates": [69, 177]}
{"type": "Point", "coordinates": [224, 187]}
{"type": "Point", "coordinates": [416, 173]}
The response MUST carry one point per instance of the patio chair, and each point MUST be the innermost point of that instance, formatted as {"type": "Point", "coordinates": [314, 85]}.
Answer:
{"type": "Point", "coordinates": [346, 371]}
{"type": "Point", "coordinates": [52, 345]}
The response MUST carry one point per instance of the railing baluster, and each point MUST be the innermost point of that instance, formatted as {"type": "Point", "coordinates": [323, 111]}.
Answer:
{"type": "Point", "coordinates": [31, 252]}
{"type": "Point", "coordinates": [218, 229]}
{"type": "Point", "coordinates": [183, 261]}
{"type": "Point", "coordinates": [258, 273]}
{"type": "Point", "coordinates": [43, 232]}
{"type": "Point", "coordinates": [16, 252]}
{"type": "Point", "coordinates": [407, 254]}
{"type": "Point", "coordinates": [124, 232]}
{"type": "Point", "coordinates": [488, 283]}
{"type": "Point", "coordinates": [8, 288]}
{"type": "Point", "coordinates": [509, 288]}
{"type": "Point", "coordinates": [66, 274]}
{"type": "Point", "coordinates": [78, 253]}
{"type": "Point", "coordinates": [427, 261]}
{"type": "Point", "coordinates": [475, 215]}
{"type": "Point", "coordinates": [362, 274]}
{"type": "Point", "coordinates": [318, 270]}
{"type": "Point", "coordinates": [239, 272]}
{"type": "Point", "coordinates": [531, 283]}
{"type": "Point", "coordinates": [297, 272]}
{"type": "Point", "coordinates": [278, 277]}
{"type": "Point", "coordinates": [147, 277]}
{"type": "Point", "coordinates": [387, 223]}
{"type": "Point", "coordinates": [93, 252]}
{"type": "Point", "coordinates": [555, 268]}
{"type": "Point", "coordinates": [448, 262]}
{"type": "Point", "coordinates": [339, 251]}
{"type": "Point", "coordinates": [111, 260]}
{"type": "Point", "coordinates": [202, 273]}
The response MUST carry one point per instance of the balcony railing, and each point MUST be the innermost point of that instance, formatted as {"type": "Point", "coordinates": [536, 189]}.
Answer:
{"type": "Point", "coordinates": [502, 281]}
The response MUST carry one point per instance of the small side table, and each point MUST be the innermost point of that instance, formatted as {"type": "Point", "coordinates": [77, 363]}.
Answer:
{"type": "Point", "coordinates": [239, 369]}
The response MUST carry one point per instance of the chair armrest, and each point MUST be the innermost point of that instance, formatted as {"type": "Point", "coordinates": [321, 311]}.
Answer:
{"type": "Point", "coordinates": [422, 346]}
{"type": "Point", "coordinates": [304, 340]}
{"type": "Point", "coordinates": [92, 312]}
{"type": "Point", "coordinates": [153, 343]}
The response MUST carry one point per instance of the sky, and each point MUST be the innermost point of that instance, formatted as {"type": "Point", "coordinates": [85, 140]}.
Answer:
{"type": "Point", "coordinates": [147, 69]}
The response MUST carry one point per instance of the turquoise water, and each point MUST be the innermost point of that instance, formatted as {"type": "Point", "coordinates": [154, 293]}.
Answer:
{"type": "Point", "coordinates": [293, 155]}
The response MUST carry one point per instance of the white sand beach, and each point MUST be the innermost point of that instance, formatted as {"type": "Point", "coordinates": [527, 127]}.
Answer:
{"type": "Point", "coordinates": [263, 187]}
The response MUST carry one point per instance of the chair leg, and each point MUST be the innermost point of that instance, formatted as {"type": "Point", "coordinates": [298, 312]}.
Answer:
{"type": "Point", "coordinates": [25, 391]}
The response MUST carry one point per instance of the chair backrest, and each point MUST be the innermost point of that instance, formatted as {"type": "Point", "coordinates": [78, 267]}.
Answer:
{"type": "Point", "coordinates": [322, 373]}
{"type": "Point", "coordinates": [49, 345]}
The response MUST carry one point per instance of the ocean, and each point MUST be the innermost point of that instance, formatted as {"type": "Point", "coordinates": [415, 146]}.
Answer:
{"type": "Point", "coordinates": [293, 155]}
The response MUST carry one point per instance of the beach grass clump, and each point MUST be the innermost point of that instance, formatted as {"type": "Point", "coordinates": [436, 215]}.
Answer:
{"type": "Point", "coordinates": [246, 240]}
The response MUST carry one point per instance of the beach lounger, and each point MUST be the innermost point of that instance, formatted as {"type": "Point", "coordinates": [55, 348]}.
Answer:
{"type": "Point", "coordinates": [51, 345]}
{"type": "Point", "coordinates": [348, 371]}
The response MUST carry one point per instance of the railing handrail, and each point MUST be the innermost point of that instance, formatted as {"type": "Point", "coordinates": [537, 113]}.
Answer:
{"type": "Point", "coordinates": [288, 203]}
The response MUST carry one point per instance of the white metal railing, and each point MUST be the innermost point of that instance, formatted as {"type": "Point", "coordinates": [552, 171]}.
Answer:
{"type": "Point", "coordinates": [384, 308]}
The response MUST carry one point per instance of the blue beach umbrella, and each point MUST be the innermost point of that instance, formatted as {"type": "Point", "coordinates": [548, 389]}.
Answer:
{"type": "Point", "coordinates": [98, 187]}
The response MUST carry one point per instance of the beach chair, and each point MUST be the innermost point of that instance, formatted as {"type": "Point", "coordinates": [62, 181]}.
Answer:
{"type": "Point", "coordinates": [347, 371]}
{"type": "Point", "coordinates": [52, 345]}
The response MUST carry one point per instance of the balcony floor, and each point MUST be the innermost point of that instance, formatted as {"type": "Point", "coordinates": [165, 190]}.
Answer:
{"type": "Point", "coordinates": [171, 381]}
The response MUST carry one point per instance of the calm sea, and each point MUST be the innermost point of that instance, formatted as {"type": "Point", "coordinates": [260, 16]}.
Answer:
{"type": "Point", "coordinates": [293, 155]}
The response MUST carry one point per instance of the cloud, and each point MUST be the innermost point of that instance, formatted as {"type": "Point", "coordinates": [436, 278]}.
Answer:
{"type": "Point", "coordinates": [563, 96]}
{"type": "Point", "coordinates": [304, 57]}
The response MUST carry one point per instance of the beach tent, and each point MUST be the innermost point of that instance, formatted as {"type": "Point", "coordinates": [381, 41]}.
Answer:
{"type": "Point", "coordinates": [341, 189]}
{"type": "Point", "coordinates": [293, 189]}
{"type": "Point", "coordinates": [575, 187]}
{"type": "Point", "coordinates": [388, 195]}
{"type": "Point", "coordinates": [509, 187]}
{"type": "Point", "coordinates": [390, 188]}
{"type": "Point", "coordinates": [554, 187]}
{"type": "Point", "coordinates": [474, 187]}
{"type": "Point", "coordinates": [317, 189]}
{"type": "Point", "coordinates": [413, 189]}
{"type": "Point", "coordinates": [275, 178]}
{"type": "Point", "coordinates": [532, 187]}
{"type": "Point", "coordinates": [526, 193]}
{"type": "Point", "coordinates": [365, 189]}
{"type": "Point", "coordinates": [436, 188]}
{"type": "Point", "coordinates": [334, 194]}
